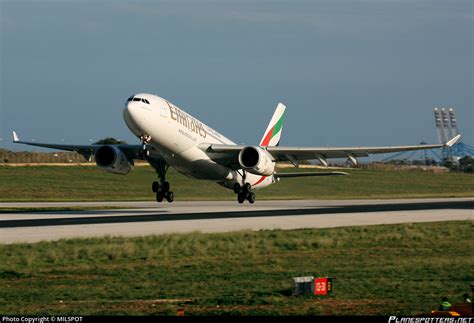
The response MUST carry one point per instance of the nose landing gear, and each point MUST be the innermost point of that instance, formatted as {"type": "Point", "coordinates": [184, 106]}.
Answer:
{"type": "Point", "coordinates": [144, 140]}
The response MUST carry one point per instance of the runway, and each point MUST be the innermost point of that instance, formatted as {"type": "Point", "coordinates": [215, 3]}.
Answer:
{"type": "Point", "coordinates": [146, 218]}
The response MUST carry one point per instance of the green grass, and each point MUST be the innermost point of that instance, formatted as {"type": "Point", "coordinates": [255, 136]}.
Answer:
{"type": "Point", "coordinates": [378, 270]}
{"type": "Point", "coordinates": [49, 183]}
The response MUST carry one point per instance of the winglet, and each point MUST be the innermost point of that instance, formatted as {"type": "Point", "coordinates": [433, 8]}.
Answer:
{"type": "Point", "coordinates": [15, 137]}
{"type": "Point", "coordinates": [453, 141]}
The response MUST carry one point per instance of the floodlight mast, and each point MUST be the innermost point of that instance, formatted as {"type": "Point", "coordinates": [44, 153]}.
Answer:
{"type": "Point", "coordinates": [441, 135]}
{"type": "Point", "coordinates": [454, 125]}
{"type": "Point", "coordinates": [446, 129]}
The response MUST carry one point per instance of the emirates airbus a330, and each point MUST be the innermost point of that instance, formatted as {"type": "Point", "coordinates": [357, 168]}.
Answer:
{"type": "Point", "coordinates": [171, 137]}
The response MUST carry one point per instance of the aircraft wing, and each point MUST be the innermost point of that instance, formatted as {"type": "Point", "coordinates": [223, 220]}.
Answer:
{"type": "Point", "coordinates": [131, 151]}
{"type": "Point", "coordinates": [228, 154]}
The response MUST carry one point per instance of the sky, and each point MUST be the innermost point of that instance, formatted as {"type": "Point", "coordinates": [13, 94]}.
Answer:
{"type": "Point", "coordinates": [351, 73]}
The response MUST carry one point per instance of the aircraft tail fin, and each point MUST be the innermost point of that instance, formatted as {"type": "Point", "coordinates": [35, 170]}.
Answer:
{"type": "Point", "coordinates": [272, 135]}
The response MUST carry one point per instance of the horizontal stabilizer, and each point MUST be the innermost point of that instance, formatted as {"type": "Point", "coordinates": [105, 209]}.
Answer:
{"type": "Point", "coordinates": [453, 141]}
{"type": "Point", "coordinates": [15, 137]}
{"type": "Point", "coordinates": [308, 174]}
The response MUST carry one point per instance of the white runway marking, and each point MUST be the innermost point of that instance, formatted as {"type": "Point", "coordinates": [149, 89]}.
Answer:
{"type": "Point", "coordinates": [222, 217]}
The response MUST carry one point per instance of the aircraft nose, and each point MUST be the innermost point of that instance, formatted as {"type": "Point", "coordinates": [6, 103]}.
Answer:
{"type": "Point", "coordinates": [133, 115]}
{"type": "Point", "coordinates": [132, 111]}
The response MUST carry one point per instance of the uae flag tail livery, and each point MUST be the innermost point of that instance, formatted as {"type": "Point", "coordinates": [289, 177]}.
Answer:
{"type": "Point", "coordinates": [275, 127]}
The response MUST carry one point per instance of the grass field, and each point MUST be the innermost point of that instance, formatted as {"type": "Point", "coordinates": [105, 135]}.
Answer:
{"type": "Point", "coordinates": [390, 269]}
{"type": "Point", "coordinates": [49, 183]}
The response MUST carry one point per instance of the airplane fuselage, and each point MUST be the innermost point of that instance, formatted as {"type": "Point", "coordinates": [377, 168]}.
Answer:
{"type": "Point", "coordinates": [176, 136]}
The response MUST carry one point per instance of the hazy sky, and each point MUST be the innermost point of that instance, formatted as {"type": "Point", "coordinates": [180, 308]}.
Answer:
{"type": "Point", "coordinates": [350, 72]}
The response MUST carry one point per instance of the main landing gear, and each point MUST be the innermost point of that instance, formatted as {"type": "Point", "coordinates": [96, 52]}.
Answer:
{"type": "Point", "coordinates": [162, 191]}
{"type": "Point", "coordinates": [244, 193]}
{"type": "Point", "coordinates": [162, 187]}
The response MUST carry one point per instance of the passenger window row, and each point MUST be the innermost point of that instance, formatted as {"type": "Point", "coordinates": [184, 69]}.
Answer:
{"type": "Point", "coordinates": [138, 99]}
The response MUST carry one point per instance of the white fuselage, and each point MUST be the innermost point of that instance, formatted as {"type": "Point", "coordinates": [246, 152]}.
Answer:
{"type": "Point", "coordinates": [176, 136]}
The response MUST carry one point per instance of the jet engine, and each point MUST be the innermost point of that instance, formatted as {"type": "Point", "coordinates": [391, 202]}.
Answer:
{"type": "Point", "coordinates": [256, 160]}
{"type": "Point", "coordinates": [112, 160]}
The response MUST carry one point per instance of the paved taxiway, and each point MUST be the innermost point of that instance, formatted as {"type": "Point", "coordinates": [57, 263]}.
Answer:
{"type": "Point", "coordinates": [144, 218]}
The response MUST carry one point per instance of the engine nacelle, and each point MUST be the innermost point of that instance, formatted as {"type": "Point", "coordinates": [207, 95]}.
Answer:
{"type": "Point", "coordinates": [112, 160]}
{"type": "Point", "coordinates": [256, 160]}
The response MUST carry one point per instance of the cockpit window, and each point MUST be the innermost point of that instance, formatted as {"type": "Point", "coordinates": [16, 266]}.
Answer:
{"type": "Point", "coordinates": [138, 100]}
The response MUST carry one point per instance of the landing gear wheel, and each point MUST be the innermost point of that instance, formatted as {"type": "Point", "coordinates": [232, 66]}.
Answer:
{"type": "Point", "coordinates": [241, 198]}
{"type": "Point", "coordinates": [247, 188]}
{"type": "Point", "coordinates": [155, 187]}
{"type": "Point", "coordinates": [251, 197]}
{"type": "Point", "coordinates": [237, 188]}
{"type": "Point", "coordinates": [166, 187]}
{"type": "Point", "coordinates": [159, 197]}
{"type": "Point", "coordinates": [170, 197]}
